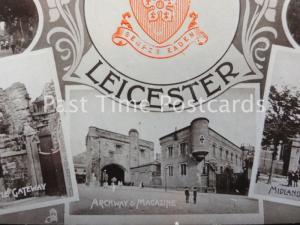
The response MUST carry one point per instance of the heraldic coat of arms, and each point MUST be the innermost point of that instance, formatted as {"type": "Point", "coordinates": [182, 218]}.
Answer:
{"type": "Point", "coordinates": [161, 21]}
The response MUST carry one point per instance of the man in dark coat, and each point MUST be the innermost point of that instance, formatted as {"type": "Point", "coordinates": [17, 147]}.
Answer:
{"type": "Point", "coordinates": [290, 178]}
{"type": "Point", "coordinates": [187, 194]}
{"type": "Point", "coordinates": [295, 179]}
{"type": "Point", "coordinates": [195, 190]}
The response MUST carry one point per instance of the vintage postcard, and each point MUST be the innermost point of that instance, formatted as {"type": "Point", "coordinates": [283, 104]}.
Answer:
{"type": "Point", "coordinates": [163, 167]}
{"type": "Point", "coordinates": [166, 127]}
{"type": "Point", "coordinates": [276, 172]}
{"type": "Point", "coordinates": [35, 165]}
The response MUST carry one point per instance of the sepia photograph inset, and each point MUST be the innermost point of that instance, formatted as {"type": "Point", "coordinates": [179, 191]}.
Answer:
{"type": "Point", "coordinates": [161, 164]}
{"type": "Point", "coordinates": [278, 160]}
{"type": "Point", "coordinates": [19, 22]}
{"type": "Point", "coordinates": [34, 166]}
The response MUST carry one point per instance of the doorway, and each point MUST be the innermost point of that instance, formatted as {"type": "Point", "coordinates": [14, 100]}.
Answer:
{"type": "Point", "coordinates": [111, 171]}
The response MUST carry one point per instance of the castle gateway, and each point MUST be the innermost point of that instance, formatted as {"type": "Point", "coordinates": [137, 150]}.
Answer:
{"type": "Point", "coordinates": [112, 155]}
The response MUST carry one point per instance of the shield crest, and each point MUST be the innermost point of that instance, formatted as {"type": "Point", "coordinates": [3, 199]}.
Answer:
{"type": "Point", "coordinates": [160, 19]}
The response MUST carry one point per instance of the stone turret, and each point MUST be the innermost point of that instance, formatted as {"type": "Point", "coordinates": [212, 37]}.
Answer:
{"type": "Point", "coordinates": [200, 138]}
{"type": "Point", "coordinates": [93, 160]}
{"type": "Point", "coordinates": [134, 148]}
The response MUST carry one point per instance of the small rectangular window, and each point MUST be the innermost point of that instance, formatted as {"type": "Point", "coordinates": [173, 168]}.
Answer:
{"type": "Point", "coordinates": [183, 148]}
{"type": "Point", "coordinates": [170, 171]}
{"type": "Point", "coordinates": [183, 169]}
{"type": "Point", "coordinates": [170, 151]}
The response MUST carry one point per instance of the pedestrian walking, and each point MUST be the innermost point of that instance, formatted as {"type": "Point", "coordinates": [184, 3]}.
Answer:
{"type": "Point", "coordinates": [113, 181]}
{"type": "Point", "coordinates": [187, 194]}
{"type": "Point", "coordinates": [195, 191]}
{"type": "Point", "coordinates": [257, 176]}
{"type": "Point", "coordinates": [290, 178]}
{"type": "Point", "coordinates": [296, 178]}
{"type": "Point", "coordinates": [142, 184]}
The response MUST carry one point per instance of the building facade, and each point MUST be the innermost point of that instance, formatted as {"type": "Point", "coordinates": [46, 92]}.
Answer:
{"type": "Point", "coordinates": [148, 174]}
{"type": "Point", "coordinates": [195, 155]}
{"type": "Point", "coordinates": [112, 155]}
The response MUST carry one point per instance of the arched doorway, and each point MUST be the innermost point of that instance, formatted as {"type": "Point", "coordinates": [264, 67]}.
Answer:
{"type": "Point", "coordinates": [111, 171]}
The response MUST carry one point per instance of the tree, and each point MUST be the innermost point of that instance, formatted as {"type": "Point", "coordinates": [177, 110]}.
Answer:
{"type": "Point", "coordinates": [282, 118]}
{"type": "Point", "coordinates": [11, 9]}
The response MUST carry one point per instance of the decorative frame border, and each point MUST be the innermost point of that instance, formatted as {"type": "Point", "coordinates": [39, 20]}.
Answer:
{"type": "Point", "coordinates": [285, 25]}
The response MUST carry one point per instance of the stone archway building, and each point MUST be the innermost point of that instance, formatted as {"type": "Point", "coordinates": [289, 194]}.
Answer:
{"type": "Point", "coordinates": [107, 150]}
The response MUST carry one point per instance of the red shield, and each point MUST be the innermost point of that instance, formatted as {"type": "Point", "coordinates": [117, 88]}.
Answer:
{"type": "Point", "coordinates": [160, 19]}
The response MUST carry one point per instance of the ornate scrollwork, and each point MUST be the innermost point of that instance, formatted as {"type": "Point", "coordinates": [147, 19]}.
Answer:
{"type": "Point", "coordinates": [68, 41]}
{"type": "Point", "coordinates": [256, 39]}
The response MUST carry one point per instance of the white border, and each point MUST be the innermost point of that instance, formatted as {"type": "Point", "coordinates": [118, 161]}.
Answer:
{"type": "Point", "coordinates": [253, 218]}
{"type": "Point", "coordinates": [275, 50]}
{"type": "Point", "coordinates": [52, 66]}
{"type": "Point", "coordinates": [286, 27]}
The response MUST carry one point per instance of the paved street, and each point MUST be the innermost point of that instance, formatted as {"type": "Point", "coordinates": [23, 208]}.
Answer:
{"type": "Point", "coordinates": [136, 201]}
{"type": "Point", "coordinates": [281, 213]}
{"type": "Point", "coordinates": [276, 179]}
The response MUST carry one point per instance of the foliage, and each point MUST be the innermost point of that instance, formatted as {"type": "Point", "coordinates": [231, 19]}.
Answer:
{"type": "Point", "coordinates": [283, 116]}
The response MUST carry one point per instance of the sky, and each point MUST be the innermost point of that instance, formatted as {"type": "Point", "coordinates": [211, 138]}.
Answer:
{"type": "Point", "coordinates": [32, 69]}
{"type": "Point", "coordinates": [238, 127]}
{"type": "Point", "coordinates": [286, 69]}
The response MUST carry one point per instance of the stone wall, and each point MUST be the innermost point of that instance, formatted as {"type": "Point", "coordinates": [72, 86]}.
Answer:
{"type": "Point", "coordinates": [148, 174]}
{"type": "Point", "coordinates": [4, 116]}
{"type": "Point", "coordinates": [15, 170]}
{"type": "Point", "coordinates": [14, 112]}
{"type": "Point", "coordinates": [17, 107]}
